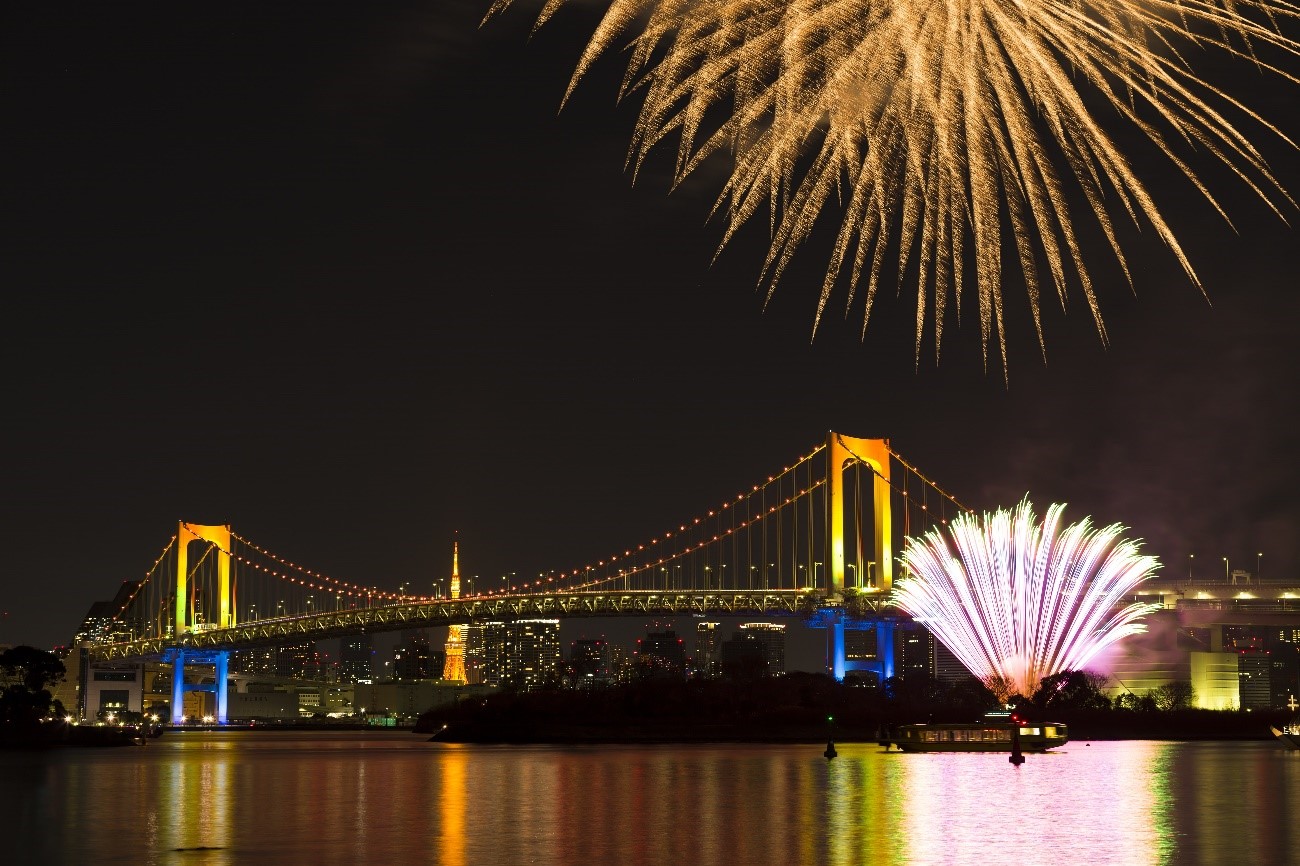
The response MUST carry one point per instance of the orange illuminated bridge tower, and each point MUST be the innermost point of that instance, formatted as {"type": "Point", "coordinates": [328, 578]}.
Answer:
{"type": "Point", "coordinates": [454, 670]}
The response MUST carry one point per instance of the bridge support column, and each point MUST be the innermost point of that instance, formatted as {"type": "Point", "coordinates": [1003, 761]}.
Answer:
{"type": "Point", "coordinates": [885, 649]}
{"type": "Point", "coordinates": [178, 688]}
{"type": "Point", "coordinates": [220, 688]}
{"type": "Point", "coordinates": [222, 665]}
{"type": "Point", "coordinates": [835, 646]}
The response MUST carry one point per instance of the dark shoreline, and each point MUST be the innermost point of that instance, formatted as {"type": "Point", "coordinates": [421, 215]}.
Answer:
{"type": "Point", "coordinates": [641, 736]}
{"type": "Point", "coordinates": [798, 708]}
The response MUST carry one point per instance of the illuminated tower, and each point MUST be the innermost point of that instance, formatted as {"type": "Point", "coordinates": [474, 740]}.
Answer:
{"type": "Point", "coordinates": [454, 671]}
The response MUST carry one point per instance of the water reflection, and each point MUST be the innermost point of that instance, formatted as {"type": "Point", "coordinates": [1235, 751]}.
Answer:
{"type": "Point", "coordinates": [277, 798]}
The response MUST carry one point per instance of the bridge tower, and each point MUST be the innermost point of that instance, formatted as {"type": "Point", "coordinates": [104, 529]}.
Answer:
{"type": "Point", "coordinates": [842, 453]}
{"type": "Point", "coordinates": [185, 620]}
{"type": "Point", "coordinates": [454, 669]}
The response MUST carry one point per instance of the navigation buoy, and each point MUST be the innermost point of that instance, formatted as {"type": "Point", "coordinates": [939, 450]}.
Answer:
{"type": "Point", "coordinates": [830, 750]}
{"type": "Point", "coordinates": [1016, 758]}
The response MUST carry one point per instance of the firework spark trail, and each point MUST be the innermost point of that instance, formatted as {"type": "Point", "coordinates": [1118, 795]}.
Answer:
{"type": "Point", "coordinates": [938, 126]}
{"type": "Point", "coordinates": [1020, 600]}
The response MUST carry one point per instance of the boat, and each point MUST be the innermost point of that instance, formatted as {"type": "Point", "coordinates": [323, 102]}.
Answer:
{"type": "Point", "coordinates": [1289, 735]}
{"type": "Point", "coordinates": [996, 732]}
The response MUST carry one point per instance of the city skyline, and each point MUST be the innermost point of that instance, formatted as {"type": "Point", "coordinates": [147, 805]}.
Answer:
{"type": "Point", "coordinates": [349, 281]}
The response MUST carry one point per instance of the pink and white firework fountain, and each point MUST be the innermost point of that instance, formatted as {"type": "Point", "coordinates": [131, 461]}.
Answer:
{"type": "Point", "coordinates": [1020, 600]}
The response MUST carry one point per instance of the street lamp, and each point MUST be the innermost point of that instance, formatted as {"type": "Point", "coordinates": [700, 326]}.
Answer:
{"type": "Point", "coordinates": [854, 569]}
{"type": "Point", "coordinates": [1258, 557]}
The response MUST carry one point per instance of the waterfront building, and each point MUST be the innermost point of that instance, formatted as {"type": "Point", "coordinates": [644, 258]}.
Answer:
{"type": "Point", "coordinates": [1215, 680]}
{"type": "Point", "coordinates": [110, 690]}
{"type": "Point", "coordinates": [405, 701]}
{"type": "Point", "coordinates": [454, 667]}
{"type": "Point", "coordinates": [771, 636]}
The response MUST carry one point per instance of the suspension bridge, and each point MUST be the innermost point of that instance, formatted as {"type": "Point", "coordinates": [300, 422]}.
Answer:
{"type": "Point", "coordinates": [815, 540]}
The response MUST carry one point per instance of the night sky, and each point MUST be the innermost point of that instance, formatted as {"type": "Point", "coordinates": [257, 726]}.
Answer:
{"type": "Point", "coordinates": [346, 277]}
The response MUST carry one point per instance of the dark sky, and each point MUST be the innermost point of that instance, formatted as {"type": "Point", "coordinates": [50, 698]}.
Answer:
{"type": "Point", "coordinates": [344, 276]}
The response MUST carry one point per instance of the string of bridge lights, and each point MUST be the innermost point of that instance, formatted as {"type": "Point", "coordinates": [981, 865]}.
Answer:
{"type": "Point", "coordinates": [917, 472]}
{"type": "Point", "coordinates": [331, 584]}
{"type": "Point", "coordinates": [650, 566]}
{"type": "Point", "coordinates": [148, 575]}
{"type": "Point", "coordinates": [685, 526]}
{"type": "Point", "coordinates": [339, 586]}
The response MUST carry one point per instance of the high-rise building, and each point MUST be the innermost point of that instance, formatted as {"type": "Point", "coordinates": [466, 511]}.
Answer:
{"type": "Point", "coordinates": [947, 667]}
{"type": "Point", "coordinates": [534, 654]}
{"type": "Point", "coordinates": [620, 663]}
{"type": "Point", "coordinates": [1285, 669]}
{"type": "Point", "coordinates": [1254, 686]}
{"type": "Point", "coordinates": [297, 661]}
{"type": "Point", "coordinates": [660, 653]}
{"type": "Point", "coordinates": [415, 659]}
{"type": "Point", "coordinates": [262, 661]}
{"type": "Point", "coordinates": [454, 669]}
{"type": "Point", "coordinates": [473, 635]}
{"type": "Point", "coordinates": [589, 663]}
{"type": "Point", "coordinates": [523, 655]}
{"type": "Point", "coordinates": [743, 657]}
{"type": "Point", "coordinates": [356, 656]}
{"type": "Point", "coordinates": [707, 643]}
{"type": "Point", "coordinates": [915, 658]}
{"type": "Point", "coordinates": [107, 621]}
{"type": "Point", "coordinates": [772, 638]}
